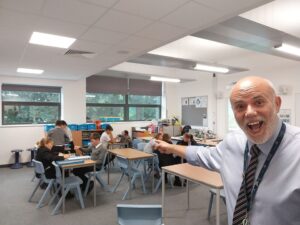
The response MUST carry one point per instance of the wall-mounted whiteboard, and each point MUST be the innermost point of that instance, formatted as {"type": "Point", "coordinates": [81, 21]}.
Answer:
{"type": "Point", "coordinates": [195, 112]}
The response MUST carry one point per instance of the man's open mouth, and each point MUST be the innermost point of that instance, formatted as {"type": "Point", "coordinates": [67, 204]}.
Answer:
{"type": "Point", "coordinates": [255, 126]}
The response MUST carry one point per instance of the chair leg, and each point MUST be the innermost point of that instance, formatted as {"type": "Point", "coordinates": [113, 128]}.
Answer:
{"type": "Point", "coordinates": [58, 205]}
{"type": "Point", "coordinates": [87, 186]}
{"type": "Point", "coordinates": [55, 195]}
{"type": "Point", "coordinates": [36, 187]}
{"type": "Point", "coordinates": [143, 184]}
{"type": "Point", "coordinates": [101, 181]}
{"type": "Point", "coordinates": [80, 196]}
{"type": "Point", "coordinates": [210, 205]}
{"type": "Point", "coordinates": [118, 183]}
{"type": "Point", "coordinates": [45, 194]}
{"type": "Point", "coordinates": [158, 184]}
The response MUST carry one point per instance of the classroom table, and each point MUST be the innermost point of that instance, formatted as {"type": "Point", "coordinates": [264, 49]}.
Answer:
{"type": "Point", "coordinates": [131, 155]}
{"type": "Point", "coordinates": [86, 163]}
{"type": "Point", "coordinates": [197, 175]}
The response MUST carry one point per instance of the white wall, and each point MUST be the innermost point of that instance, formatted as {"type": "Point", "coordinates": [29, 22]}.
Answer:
{"type": "Point", "coordinates": [73, 111]}
{"type": "Point", "coordinates": [288, 76]}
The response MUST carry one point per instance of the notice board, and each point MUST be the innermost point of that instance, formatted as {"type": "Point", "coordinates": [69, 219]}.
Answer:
{"type": "Point", "coordinates": [194, 111]}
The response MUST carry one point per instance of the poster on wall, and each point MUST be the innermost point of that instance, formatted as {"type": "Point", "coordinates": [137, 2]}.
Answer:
{"type": "Point", "coordinates": [192, 101]}
{"type": "Point", "coordinates": [285, 115]}
{"type": "Point", "coordinates": [201, 102]}
{"type": "Point", "coordinates": [185, 101]}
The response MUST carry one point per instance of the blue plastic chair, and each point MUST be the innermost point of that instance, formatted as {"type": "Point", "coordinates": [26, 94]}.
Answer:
{"type": "Point", "coordinates": [139, 214]}
{"type": "Point", "coordinates": [39, 169]}
{"type": "Point", "coordinates": [135, 173]}
{"type": "Point", "coordinates": [141, 146]}
{"type": "Point", "coordinates": [135, 143]}
{"type": "Point", "coordinates": [213, 193]}
{"type": "Point", "coordinates": [98, 175]}
{"type": "Point", "coordinates": [71, 183]}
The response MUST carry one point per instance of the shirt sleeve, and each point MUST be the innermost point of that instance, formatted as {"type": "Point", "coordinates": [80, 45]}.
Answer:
{"type": "Point", "coordinates": [207, 157]}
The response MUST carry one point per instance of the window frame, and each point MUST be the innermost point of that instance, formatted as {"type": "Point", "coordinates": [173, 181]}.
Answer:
{"type": "Point", "coordinates": [29, 103]}
{"type": "Point", "coordinates": [126, 107]}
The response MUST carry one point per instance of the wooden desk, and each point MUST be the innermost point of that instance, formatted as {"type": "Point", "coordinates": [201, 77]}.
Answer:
{"type": "Point", "coordinates": [86, 163]}
{"type": "Point", "coordinates": [131, 154]}
{"type": "Point", "coordinates": [197, 175]}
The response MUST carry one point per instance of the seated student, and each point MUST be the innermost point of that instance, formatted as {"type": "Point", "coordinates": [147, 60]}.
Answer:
{"type": "Point", "coordinates": [59, 137]}
{"type": "Point", "coordinates": [188, 139]}
{"type": "Point", "coordinates": [126, 139]}
{"type": "Point", "coordinates": [169, 159]}
{"type": "Point", "coordinates": [46, 156]}
{"type": "Point", "coordinates": [97, 150]}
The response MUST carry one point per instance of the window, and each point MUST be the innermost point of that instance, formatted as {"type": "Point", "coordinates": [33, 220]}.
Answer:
{"type": "Point", "coordinates": [23, 104]}
{"type": "Point", "coordinates": [232, 124]}
{"type": "Point", "coordinates": [122, 99]}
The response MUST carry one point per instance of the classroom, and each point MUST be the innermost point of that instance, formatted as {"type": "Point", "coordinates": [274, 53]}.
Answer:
{"type": "Point", "coordinates": [102, 71]}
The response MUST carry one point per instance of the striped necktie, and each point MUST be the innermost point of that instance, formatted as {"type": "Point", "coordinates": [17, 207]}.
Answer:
{"type": "Point", "coordinates": [240, 211]}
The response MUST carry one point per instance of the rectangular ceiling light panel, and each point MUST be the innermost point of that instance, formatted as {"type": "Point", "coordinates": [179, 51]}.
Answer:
{"type": "Point", "coordinates": [51, 40]}
{"type": "Point", "coordinates": [31, 71]}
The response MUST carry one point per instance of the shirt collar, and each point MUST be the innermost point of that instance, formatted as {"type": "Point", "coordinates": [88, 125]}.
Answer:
{"type": "Point", "coordinates": [266, 147]}
{"type": "Point", "coordinates": [98, 145]}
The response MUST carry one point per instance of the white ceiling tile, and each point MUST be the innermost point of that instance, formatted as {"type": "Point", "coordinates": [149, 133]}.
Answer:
{"type": "Point", "coordinates": [90, 46]}
{"type": "Point", "coordinates": [191, 16]}
{"type": "Point", "coordinates": [122, 22]}
{"type": "Point", "coordinates": [138, 43]}
{"type": "Point", "coordinates": [106, 3]}
{"type": "Point", "coordinates": [228, 5]}
{"type": "Point", "coordinates": [32, 6]}
{"type": "Point", "coordinates": [58, 27]}
{"type": "Point", "coordinates": [73, 11]}
{"type": "Point", "coordinates": [153, 9]}
{"type": "Point", "coordinates": [161, 31]}
{"type": "Point", "coordinates": [103, 36]}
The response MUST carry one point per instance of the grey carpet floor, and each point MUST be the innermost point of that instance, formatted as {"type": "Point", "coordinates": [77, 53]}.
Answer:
{"type": "Point", "coordinates": [16, 186]}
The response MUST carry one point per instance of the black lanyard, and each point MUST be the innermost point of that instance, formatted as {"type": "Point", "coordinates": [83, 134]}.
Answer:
{"type": "Point", "coordinates": [265, 165]}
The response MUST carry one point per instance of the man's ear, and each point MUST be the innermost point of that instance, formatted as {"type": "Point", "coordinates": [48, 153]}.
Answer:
{"type": "Point", "coordinates": [277, 103]}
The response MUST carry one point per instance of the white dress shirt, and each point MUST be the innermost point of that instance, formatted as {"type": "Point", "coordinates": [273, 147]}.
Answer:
{"type": "Point", "coordinates": [277, 201]}
{"type": "Point", "coordinates": [105, 138]}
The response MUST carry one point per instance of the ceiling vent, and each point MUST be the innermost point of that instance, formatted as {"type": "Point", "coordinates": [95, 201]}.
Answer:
{"type": "Point", "coordinates": [85, 54]}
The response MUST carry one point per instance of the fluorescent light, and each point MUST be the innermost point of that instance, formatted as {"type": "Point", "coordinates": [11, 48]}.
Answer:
{"type": "Point", "coordinates": [51, 40]}
{"type": "Point", "coordinates": [288, 49]}
{"type": "Point", "coordinates": [33, 71]}
{"type": "Point", "coordinates": [165, 79]}
{"type": "Point", "coordinates": [216, 69]}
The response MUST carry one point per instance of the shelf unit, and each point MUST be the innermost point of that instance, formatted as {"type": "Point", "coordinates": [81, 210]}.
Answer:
{"type": "Point", "coordinates": [81, 135]}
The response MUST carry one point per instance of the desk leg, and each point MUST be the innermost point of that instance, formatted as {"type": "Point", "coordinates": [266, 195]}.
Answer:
{"type": "Point", "coordinates": [163, 195]}
{"type": "Point", "coordinates": [95, 186]}
{"type": "Point", "coordinates": [129, 178]}
{"type": "Point", "coordinates": [63, 190]}
{"type": "Point", "coordinates": [188, 194]}
{"type": "Point", "coordinates": [218, 207]}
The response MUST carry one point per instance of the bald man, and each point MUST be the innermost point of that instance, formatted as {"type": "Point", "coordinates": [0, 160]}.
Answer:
{"type": "Point", "coordinates": [259, 164]}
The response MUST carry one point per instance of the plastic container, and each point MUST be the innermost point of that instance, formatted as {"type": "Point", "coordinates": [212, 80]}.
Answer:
{"type": "Point", "coordinates": [82, 126]}
{"type": "Point", "coordinates": [73, 126]}
{"type": "Point", "coordinates": [91, 126]}
{"type": "Point", "coordinates": [48, 127]}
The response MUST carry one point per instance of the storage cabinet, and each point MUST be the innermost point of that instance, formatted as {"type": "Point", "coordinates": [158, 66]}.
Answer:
{"type": "Point", "coordinates": [82, 137]}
